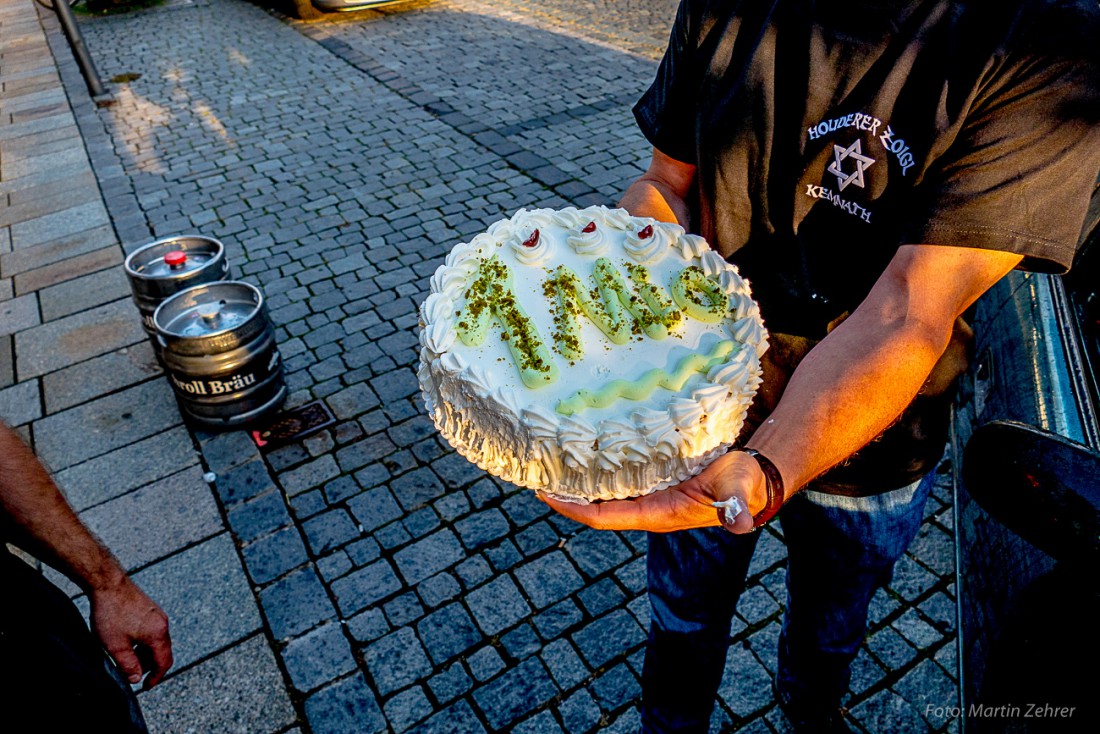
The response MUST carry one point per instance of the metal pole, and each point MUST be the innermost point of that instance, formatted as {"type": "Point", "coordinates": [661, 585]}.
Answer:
{"type": "Point", "coordinates": [80, 51]}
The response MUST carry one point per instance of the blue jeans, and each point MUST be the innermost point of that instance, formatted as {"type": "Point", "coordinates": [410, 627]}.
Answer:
{"type": "Point", "coordinates": [840, 550]}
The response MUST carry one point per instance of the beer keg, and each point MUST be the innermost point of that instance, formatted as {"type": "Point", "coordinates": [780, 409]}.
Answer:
{"type": "Point", "coordinates": [164, 268]}
{"type": "Point", "coordinates": [218, 347]}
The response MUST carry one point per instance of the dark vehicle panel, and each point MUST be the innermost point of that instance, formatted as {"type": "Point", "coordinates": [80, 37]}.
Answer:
{"type": "Point", "coordinates": [1025, 441]}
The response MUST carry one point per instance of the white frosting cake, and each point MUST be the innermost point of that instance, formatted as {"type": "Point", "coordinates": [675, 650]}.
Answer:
{"type": "Point", "coordinates": [588, 353]}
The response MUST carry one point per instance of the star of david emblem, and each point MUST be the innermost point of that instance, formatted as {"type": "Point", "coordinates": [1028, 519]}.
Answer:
{"type": "Point", "coordinates": [855, 153]}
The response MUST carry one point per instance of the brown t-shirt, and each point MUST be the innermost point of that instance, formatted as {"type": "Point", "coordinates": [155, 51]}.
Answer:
{"type": "Point", "coordinates": [827, 133]}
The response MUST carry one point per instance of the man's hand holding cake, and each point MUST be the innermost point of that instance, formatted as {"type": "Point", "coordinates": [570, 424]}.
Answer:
{"type": "Point", "coordinates": [691, 504]}
{"type": "Point", "coordinates": [589, 354]}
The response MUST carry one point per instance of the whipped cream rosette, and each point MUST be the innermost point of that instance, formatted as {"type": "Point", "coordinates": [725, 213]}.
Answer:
{"type": "Point", "coordinates": [588, 353]}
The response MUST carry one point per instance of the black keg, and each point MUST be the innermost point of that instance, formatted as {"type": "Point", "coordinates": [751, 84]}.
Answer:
{"type": "Point", "coordinates": [163, 268]}
{"type": "Point", "coordinates": [218, 348]}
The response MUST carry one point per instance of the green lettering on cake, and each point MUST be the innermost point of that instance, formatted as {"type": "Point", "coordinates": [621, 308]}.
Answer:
{"type": "Point", "coordinates": [492, 294]}
{"type": "Point", "coordinates": [651, 308]}
{"type": "Point", "coordinates": [601, 305]}
{"type": "Point", "coordinates": [643, 387]}
{"type": "Point", "coordinates": [711, 307]}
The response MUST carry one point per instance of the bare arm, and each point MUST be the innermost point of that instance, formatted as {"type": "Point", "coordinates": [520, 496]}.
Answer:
{"type": "Point", "coordinates": [885, 349]}
{"type": "Point", "coordinates": [662, 190]}
{"type": "Point", "coordinates": [37, 517]}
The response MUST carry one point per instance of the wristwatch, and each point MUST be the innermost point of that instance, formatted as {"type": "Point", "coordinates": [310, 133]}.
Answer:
{"type": "Point", "coordinates": [773, 483]}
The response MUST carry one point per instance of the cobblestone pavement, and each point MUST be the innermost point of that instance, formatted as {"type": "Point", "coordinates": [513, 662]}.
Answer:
{"type": "Point", "coordinates": [390, 584]}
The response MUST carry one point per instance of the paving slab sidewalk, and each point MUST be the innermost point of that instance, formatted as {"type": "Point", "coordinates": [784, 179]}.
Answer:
{"type": "Point", "coordinates": [79, 381]}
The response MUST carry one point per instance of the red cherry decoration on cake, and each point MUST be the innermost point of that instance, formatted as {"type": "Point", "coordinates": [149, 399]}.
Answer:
{"type": "Point", "coordinates": [589, 228]}
{"type": "Point", "coordinates": [532, 240]}
{"type": "Point", "coordinates": [646, 232]}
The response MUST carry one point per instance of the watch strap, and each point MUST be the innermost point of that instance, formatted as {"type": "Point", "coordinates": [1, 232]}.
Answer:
{"type": "Point", "coordinates": [773, 483]}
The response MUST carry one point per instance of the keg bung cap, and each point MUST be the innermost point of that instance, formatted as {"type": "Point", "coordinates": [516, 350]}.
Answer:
{"type": "Point", "coordinates": [210, 312]}
{"type": "Point", "coordinates": [175, 259]}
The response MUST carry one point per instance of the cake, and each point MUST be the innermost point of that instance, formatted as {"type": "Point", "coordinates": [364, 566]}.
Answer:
{"type": "Point", "coordinates": [589, 354]}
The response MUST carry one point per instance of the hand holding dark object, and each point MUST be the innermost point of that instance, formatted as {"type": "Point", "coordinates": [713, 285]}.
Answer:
{"type": "Point", "coordinates": [35, 516]}
{"type": "Point", "coordinates": [133, 630]}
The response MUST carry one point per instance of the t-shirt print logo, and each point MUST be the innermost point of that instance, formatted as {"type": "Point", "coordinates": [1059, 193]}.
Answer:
{"type": "Point", "coordinates": [855, 153]}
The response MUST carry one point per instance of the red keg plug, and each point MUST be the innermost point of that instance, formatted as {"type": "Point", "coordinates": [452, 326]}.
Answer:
{"type": "Point", "coordinates": [175, 258]}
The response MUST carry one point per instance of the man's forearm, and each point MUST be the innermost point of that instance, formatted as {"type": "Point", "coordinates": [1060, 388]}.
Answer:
{"type": "Point", "coordinates": [661, 192]}
{"type": "Point", "coordinates": [42, 522]}
{"type": "Point", "coordinates": [847, 390]}
{"type": "Point", "coordinates": [861, 377]}
{"type": "Point", "coordinates": [649, 198]}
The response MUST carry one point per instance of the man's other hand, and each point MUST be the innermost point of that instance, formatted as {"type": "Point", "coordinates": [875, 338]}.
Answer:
{"type": "Point", "coordinates": [134, 631]}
